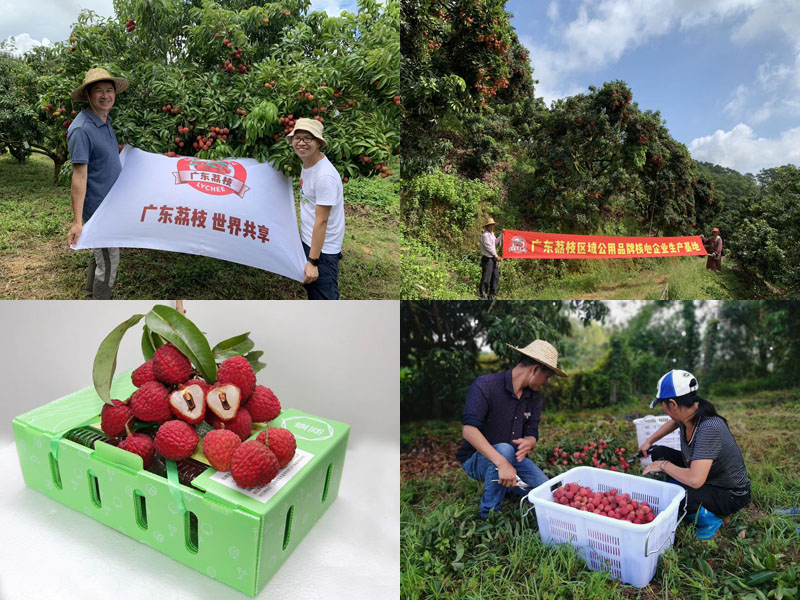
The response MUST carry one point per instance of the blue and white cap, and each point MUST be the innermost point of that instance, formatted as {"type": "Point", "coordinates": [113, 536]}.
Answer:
{"type": "Point", "coordinates": [674, 384]}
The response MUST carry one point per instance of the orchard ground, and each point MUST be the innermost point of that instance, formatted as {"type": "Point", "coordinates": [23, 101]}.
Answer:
{"type": "Point", "coordinates": [35, 262]}
{"type": "Point", "coordinates": [448, 552]}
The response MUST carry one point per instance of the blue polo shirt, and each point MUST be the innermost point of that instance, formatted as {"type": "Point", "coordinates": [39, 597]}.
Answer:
{"type": "Point", "coordinates": [92, 142]}
{"type": "Point", "coordinates": [493, 407]}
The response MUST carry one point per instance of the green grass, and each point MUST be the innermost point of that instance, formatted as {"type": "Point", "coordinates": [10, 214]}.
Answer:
{"type": "Point", "coordinates": [649, 279]}
{"type": "Point", "coordinates": [448, 552]}
{"type": "Point", "coordinates": [35, 216]}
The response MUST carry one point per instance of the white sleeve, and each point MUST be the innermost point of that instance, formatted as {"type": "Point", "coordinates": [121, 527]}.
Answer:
{"type": "Point", "coordinates": [325, 190]}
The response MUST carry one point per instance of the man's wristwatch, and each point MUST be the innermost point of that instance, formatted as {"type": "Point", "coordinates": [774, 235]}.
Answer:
{"type": "Point", "coordinates": [313, 261]}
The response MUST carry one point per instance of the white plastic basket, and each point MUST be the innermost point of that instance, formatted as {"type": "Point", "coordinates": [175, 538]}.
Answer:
{"type": "Point", "coordinates": [647, 426]}
{"type": "Point", "coordinates": [629, 552]}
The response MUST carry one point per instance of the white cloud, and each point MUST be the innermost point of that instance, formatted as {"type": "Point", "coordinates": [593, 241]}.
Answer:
{"type": "Point", "coordinates": [741, 150]}
{"type": "Point", "coordinates": [604, 30]}
{"type": "Point", "coordinates": [735, 107]}
{"type": "Point", "coordinates": [24, 42]}
{"type": "Point", "coordinates": [769, 16]}
{"type": "Point", "coordinates": [769, 77]}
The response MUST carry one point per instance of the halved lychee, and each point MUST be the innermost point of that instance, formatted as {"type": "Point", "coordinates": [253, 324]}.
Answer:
{"type": "Point", "coordinates": [188, 403]}
{"type": "Point", "coordinates": [223, 399]}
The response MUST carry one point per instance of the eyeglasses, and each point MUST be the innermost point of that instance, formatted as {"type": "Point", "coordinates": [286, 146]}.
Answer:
{"type": "Point", "coordinates": [303, 140]}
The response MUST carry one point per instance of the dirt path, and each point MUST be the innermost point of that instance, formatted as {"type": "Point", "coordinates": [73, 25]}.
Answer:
{"type": "Point", "coordinates": [639, 287]}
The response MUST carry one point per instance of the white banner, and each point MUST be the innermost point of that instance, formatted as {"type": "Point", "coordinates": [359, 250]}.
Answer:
{"type": "Point", "coordinates": [235, 209]}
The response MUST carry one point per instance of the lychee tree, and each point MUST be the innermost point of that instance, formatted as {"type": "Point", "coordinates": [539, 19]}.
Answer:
{"type": "Point", "coordinates": [26, 125]}
{"type": "Point", "coordinates": [603, 164]}
{"type": "Point", "coordinates": [229, 78]}
{"type": "Point", "coordinates": [460, 58]}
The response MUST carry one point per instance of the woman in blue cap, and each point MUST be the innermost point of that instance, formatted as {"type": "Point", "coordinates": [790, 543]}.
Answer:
{"type": "Point", "coordinates": [709, 464]}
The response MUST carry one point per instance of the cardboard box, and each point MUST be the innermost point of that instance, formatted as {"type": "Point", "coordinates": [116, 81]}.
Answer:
{"type": "Point", "coordinates": [238, 537]}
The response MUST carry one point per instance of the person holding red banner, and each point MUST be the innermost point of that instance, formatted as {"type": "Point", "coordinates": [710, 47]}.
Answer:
{"type": "Point", "coordinates": [96, 165]}
{"type": "Point", "coordinates": [713, 246]}
{"type": "Point", "coordinates": [490, 273]}
{"type": "Point", "coordinates": [321, 211]}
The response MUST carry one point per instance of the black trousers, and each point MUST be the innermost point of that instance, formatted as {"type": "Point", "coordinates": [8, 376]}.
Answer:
{"type": "Point", "coordinates": [490, 277]}
{"type": "Point", "coordinates": [718, 500]}
{"type": "Point", "coordinates": [326, 287]}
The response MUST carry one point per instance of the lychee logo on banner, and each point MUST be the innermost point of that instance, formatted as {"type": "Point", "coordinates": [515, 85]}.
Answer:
{"type": "Point", "coordinates": [215, 177]}
{"type": "Point", "coordinates": [517, 244]}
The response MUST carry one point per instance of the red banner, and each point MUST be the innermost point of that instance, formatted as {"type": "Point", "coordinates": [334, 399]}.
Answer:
{"type": "Point", "coordinates": [532, 244]}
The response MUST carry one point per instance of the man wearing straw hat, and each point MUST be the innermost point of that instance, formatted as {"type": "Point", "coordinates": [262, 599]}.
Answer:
{"type": "Point", "coordinates": [490, 277]}
{"type": "Point", "coordinates": [713, 246]}
{"type": "Point", "coordinates": [94, 152]}
{"type": "Point", "coordinates": [321, 211]}
{"type": "Point", "coordinates": [501, 425]}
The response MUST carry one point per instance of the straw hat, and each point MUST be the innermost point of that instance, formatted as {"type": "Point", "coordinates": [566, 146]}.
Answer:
{"type": "Point", "coordinates": [490, 222]}
{"type": "Point", "coordinates": [93, 76]}
{"type": "Point", "coordinates": [311, 126]}
{"type": "Point", "coordinates": [543, 353]}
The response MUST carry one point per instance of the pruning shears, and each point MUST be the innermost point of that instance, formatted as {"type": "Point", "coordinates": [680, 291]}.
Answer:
{"type": "Point", "coordinates": [639, 454]}
{"type": "Point", "coordinates": [520, 484]}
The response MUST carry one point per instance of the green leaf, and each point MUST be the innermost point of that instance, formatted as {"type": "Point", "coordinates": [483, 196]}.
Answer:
{"type": "Point", "coordinates": [760, 577]}
{"type": "Point", "coordinates": [105, 361]}
{"type": "Point", "coordinates": [253, 357]}
{"type": "Point", "coordinates": [177, 329]}
{"type": "Point", "coordinates": [235, 346]}
{"type": "Point", "coordinates": [155, 340]}
{"type": "Point", "coordinates": [148, 348]}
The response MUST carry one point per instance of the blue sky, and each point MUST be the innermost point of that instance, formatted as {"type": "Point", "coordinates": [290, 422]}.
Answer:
{"type": "Point", "coordinates": [725, 74]}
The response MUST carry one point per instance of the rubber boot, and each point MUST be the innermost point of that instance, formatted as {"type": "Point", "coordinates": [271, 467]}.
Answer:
{"type": "Point", "coordinates": [706, 524]}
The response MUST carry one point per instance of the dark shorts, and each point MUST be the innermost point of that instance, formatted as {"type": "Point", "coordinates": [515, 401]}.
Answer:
{"type": "Point", "coordinates": [326, 287]}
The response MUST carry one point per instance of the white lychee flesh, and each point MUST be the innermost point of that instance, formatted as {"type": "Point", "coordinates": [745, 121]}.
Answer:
{"type": "Point", "coordinates": [223, 399]}
{"type": "Point", "coordinates": [188, 403]}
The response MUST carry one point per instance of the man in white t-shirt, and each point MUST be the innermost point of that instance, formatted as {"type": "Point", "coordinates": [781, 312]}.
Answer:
{"type": "Point", "coordinates": [321, 211]}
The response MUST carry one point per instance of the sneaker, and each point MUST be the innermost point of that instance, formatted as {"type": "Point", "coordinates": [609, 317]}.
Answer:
{"type": "Point", "coordinates": [706, 524]}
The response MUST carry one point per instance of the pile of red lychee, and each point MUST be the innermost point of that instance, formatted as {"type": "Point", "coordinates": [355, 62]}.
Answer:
{"type": "Point", "coordinates": [172, 395]}
{"type": "Point", "coordinates": [608, 504]}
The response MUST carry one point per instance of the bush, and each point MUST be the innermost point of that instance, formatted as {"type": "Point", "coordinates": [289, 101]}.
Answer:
{"type": "Point", "coordinates": [441, 206]}
{"type": "Point", "coordinates": [374, 193]}
{"type": "Point", "coordinates": [429, 273]}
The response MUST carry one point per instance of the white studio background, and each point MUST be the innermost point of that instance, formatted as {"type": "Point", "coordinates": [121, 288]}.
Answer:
{"type": "Point", "coordinates": [338, 360]}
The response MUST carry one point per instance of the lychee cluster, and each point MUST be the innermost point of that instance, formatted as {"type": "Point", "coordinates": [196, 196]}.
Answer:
{"type": "Point", "coordinates": [608, 504]}
{"type": "Point", "coordinates": [252, 463]}
{"type": "Point", "coordinates": [172, 395]}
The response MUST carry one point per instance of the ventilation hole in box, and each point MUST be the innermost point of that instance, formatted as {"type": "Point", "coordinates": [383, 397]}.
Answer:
{"type": "Point", "coordinates": [604, 542]}
{"type": "Point", "coordinates": [327, 482]}
{"type": "Point", "coordinates": [288, 529]}
{"type": "Point", "coordinates": [606, 564]}
{"type": "Point", "coordinates": [140, 508]}
{"type": "Point", "coordinates": [564, 530]}
{"type": "Point", "coordinates": [190, 528]}
{"type": "Point", "coordinates": [651, 500]}
{"type": "Point", "coordinates": [94, 489]}
{"type": "Point", "coordinates": [56, 475]}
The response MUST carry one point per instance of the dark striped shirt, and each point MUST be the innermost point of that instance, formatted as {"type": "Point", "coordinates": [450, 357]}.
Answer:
{"type": "Point", "coordinates": [713, 440]}
{"type": "Point", "coordinates": [493, 407]}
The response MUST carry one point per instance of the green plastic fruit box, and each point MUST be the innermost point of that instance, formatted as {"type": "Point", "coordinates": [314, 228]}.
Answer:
{"type": "Point", "coordinates": [237, 537]}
